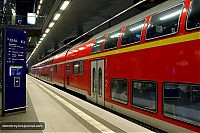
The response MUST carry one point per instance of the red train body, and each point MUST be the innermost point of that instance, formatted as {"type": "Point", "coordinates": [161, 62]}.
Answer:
{"type": "Point", "coordinates": [156, 80]}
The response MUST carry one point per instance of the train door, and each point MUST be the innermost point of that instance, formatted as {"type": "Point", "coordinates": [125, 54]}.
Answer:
{"type": "Point", "coordinates": [67, 73]}
{"type": "Point", "coordinates": [51, 74]}
{"type": "Point", "coordinates": [97, 81]}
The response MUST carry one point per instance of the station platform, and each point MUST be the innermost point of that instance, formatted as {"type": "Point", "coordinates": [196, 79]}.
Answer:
{"type": "Point", "coordinates": [62, 112]}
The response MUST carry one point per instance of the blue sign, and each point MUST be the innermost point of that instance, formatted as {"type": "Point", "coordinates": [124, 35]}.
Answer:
{"type": "Point", "coordinates": [14, 70]}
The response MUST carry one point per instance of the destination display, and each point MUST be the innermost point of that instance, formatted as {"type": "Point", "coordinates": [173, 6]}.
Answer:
{"type": "Point", "coordinates": [14, 69]}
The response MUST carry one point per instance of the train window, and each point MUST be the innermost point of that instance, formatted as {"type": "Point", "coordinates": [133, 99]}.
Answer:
{"type": "Point", "coordinates": [97, 45]}
{"type": "Point", "coordinates": [193, 20]}
{"type": "Point", "coordinates": [55, 68]}
{"type": "Point", "coordinates": [112, 39]}
{"type": "Point", "coordinates": [119, 90]}
{"type": "Point", "coordinates": [182, 102]}
{"type": "Point", "coordinates": [93, 80]}
{"type": "Point", "coordinates": [68, 69]}
{"type": "Point", "coordinates": [100, 81]}
{"type": "Point", "coordinates": [144, 95]}
{"type": "Point", "coordinates": [133, 33]}
{"type": "Point", "coordinates": [75, 67]}
{"type": "Point", "coordinates": [164, 23]}
{"type": "Point", "coordinates": [81, 67]}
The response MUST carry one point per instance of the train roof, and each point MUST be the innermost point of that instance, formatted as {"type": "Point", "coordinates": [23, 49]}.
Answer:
{"type": "Point", "coordinates": [84, 49]}
{"type": "Point", "coordinates": [79, 51]}
{"type": "Point", "coordinates": [159, 8]}
{"type": "Point", "coordinates": [60, 57]}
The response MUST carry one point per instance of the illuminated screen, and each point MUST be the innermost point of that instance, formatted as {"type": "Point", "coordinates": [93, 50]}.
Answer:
{"type": "Point", "coordinates": [15, 70]}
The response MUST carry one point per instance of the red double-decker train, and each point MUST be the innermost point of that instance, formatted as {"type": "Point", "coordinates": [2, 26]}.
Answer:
{"type": "Point", "coordinates": [147, 67]}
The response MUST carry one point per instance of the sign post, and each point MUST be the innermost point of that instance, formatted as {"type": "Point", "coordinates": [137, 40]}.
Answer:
{"type": "Point", "coordinates": [14, 71]}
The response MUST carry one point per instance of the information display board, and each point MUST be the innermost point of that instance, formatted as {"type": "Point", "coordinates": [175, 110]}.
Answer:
{"type": "Point", "coordinates": [14, 67]}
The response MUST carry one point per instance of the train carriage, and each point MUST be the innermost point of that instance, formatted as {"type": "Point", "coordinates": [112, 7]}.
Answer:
{"type": "Point", "coordinates": [146, 67]}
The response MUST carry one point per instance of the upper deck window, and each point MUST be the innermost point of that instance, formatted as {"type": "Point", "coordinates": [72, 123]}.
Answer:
{"type": "Point", "coordinates": [98, 44]}
{"type": "Point", "coordinates": [112, 39]}
{"type": "Point", "coordinates": [133, 33]}
{"type": "Point", "coordinates": [193, 20]}
{"type": "Point", "coordinates": [164, 23]}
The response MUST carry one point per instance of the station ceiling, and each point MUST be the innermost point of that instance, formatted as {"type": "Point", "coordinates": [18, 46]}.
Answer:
{"type": "Point", "coordinates": [79, 17]}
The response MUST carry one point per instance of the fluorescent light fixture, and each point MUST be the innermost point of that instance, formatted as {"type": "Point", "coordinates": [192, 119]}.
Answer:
{"type": "Point", "coordinates": [47, 30]}
{"type": "Point", "coordinates": [41, 39]}
{"type": "Point", "coordinates": [13, 12]}
{"type": "Point", "coordinates": [44, 35]}
{"type": "Point", "coordinates": [115, 35]}
{"type": "Point", "coordinates": [39, 7]}
{"type": "Point", "coordinates": [137, 27]}
{"type": "Point", "coordinates": [31, 18]}
{"type": "Point", "coordinates": [41, 1]}
{"type": "Point", "coordinates": [56, 16]}
{"type": "Point", "coordinates": [38, 11]}
{"type": "Point", "coordinates": [29, 40]}
{"type": "Point", "coordinates": [171, 15]}
{"type": "Point", "coordinates": [39, 42]}
{"type": "Point", "coordinates": [51, 24]}
{"type": "Point", "coordinates": [64, 5]}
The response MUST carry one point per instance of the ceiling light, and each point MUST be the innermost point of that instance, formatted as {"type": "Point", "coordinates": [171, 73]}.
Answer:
{"type": "Point", "coordinates": [37, 11]}
{"type": "Point", "coordinates": [39, 7]}
{"type": "Point", "coordinates": [41, 39]}
{"type": "Point", "coordinates": [51, 24]}
{"type": "Point", "coordinates": [47, 30]}
{"type": "Point", "coordinates": [29, 39]}
{"type": "Point", "coordinates": [56, 16]}
{"type": "Point", "coordinates": [39, 42]}
{"type": "Point", "coordinates": [64, 5]}
{"type": "Point", "coordinates": [41, 1]}
{"type": "Point", "coordinates": [44, 35]}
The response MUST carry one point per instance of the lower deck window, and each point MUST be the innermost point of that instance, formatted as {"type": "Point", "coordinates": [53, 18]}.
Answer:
{"type": "Point", "coordinates": [119, 90]}
{"type": "Point", "coordinates": [182, 102]}
{"type": "Point", "coordinates": [144, 95]}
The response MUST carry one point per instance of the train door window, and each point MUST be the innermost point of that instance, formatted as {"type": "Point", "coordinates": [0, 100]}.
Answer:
{"type": "Point", "coordinates": [144, 95]}
{"type": "Point", "coordinates": [81, 67]}
{"type": "Point", "coordinates": [193, 19]}
{"type": "Point", "coordinates": [100, 81]}
{"type": "Point", "coordinates": [119, 90]}
{"type": "Point", "coordinates": [133, 33]}
{"type": "Point", "coordinates": [68, 68]}
{"type": "Point", "coordinates": [55, 68]}
{"type": "Point", "coordinates": [164, 23]}
{"type": "Point", "coordinates": [112, 39]}
{"type": "Point", "coordinates": [75, 67]}
{"type": "Point", "coordinates": [93, 80]}
{"type": "Point", "coordinates": [97, 45]}
{"type": "Point", "coordinates": [182, 102]}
